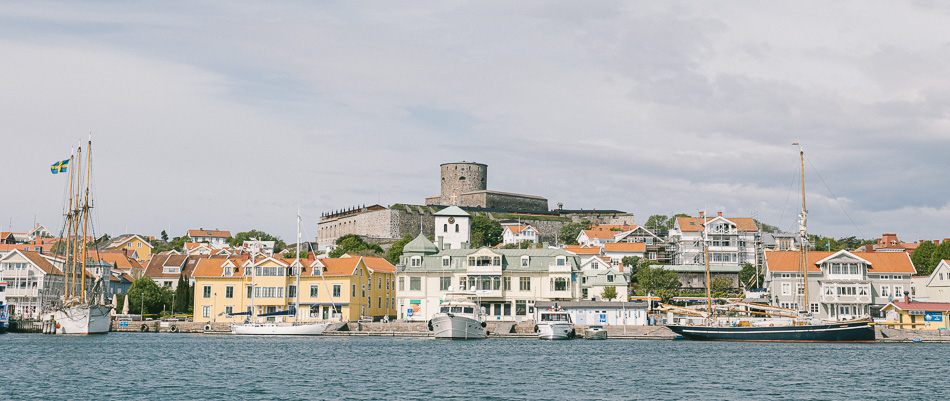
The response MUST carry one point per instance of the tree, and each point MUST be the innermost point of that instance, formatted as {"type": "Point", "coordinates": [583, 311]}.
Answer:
{"type": "Point", "coordinates": [59, 248]}
{"type": "Point", "coordinates": [526, 244]}
{"type": "Point", "coordinates": [395, 251]}
{"type": "Point", "coordinates": [240, 237]}
{"type": "Point", "coordinates": [940, 252]}
{"type": "Point", "coordinates": [635, 264]}
{"type": "Point", "coordinates": [354, 244]}
{"type": "Point", "coordinates": [659, 281]}
{"type": "Point", "coordinates": [485, 232]}
{"type": "Point", "coordinates": [921, 258]}
{"type": "Point", "coordinates": [155, 297]}
{"type": "Point", "coordinates": [747, 276]}
{"type": "Point", "coordinates": [609, 293]}
{"type": "Point", "coordinates": [570, 231]}
{"type": "Point", "coordinates": [656, 222]}
{"type": "Point", "coordinates": [164, 236]}
{"type": "Point", "coordinates": [721, 286]}
{"type": "Point", "coordinates": [177, 244]}
{"type": "Point", "coordinates": [182, 292]}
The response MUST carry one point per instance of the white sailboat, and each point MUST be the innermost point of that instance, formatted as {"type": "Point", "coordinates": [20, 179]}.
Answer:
{"type": "Point", "coordinates": [295, 328]}
{"type": "Point", "coordinates": [81, 309]}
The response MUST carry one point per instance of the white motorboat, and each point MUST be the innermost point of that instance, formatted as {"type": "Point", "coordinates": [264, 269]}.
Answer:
{"type": "Point", "coordinates": [555, 325]}
{"type": "Point", "coordinates": [595, 333]}
{"type": "Point", "coordinates": [458, 319]}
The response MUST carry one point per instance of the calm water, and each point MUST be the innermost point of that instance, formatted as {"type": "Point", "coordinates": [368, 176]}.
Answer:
{"type": "Point", "coordinates": [185, 366]}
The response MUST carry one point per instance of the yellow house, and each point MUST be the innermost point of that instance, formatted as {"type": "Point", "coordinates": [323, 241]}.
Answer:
{"type": "Point", "coordinates": [918, 315]}
{"type": "Point", "coordinates": [133, 243]}
{"type": "Point", "coordinates": [337, 289]}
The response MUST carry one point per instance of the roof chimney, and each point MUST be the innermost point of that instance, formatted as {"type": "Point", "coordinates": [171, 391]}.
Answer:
{"type": "Point", "coordinates": [702, 214]}
{"type": "Point", "coordinates": [720, 214]}
{"type": "Point", "coordinates": [907, 296]}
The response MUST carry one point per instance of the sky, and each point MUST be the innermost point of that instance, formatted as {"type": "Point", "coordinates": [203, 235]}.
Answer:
{"type": "Point", "coordinates": [231, 115]}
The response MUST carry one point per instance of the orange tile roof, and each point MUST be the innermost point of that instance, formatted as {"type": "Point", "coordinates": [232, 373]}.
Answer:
{"type": "Point", "coordinates": [516, 229]}
{"type": "Point", "coordinates": [625, 247]}
{"type": "Point", "coordinates": [338, 266]}
{"type": "Point", "coordinates": [582, 250]}
{"type": "Point", "coordinates": [41, 262]}
{"type": "Point", "coordinates": [881, 262]}
{"type": "Point", "coordinates": [379, 264]}
{"type": "Point", "coordinates": [924, 306]}
{"type": "Point", "coordinates": [214, 267]}
{"type": "Point", "coordinates": [600, 234]}
{"type": "Point", "coordinates": [742, 223]}
{"type": "Point", "coordinates": [209, 233]}
{"type": "Point", "coordinates": [118, 258]}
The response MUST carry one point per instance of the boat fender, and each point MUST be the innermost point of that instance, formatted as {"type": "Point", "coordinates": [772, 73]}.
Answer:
{"type": "Point", "coordinates": [429, 325]}
{"type": "Point", "coordinates": [535, 328]}
{"type": "Point", "coordinates": [208, 327]}
{"type": "Point", "coordinates": [484, 325]}
{"type": "Point", "coordinates": [173, 329]}
{"type": "Point", "coordinates": [143, 328]}
{"type": "Point", "coordinates": [572, 334]}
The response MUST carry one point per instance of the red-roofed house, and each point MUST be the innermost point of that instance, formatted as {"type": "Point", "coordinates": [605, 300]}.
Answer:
{"type": "Point", "coordinates": [841, 285]}
{"type": "Point", "coordinates": [924, 315]}
{"type": "Point", "coordinates": [216, 238]}
{"type": "Point", "coordinates": [516, 234]}
{"type": "Point", "coordinates": [733, 241]}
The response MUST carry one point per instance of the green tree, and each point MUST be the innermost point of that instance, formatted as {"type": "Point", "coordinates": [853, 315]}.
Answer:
{"type": "Point", "coordinates": [240, 237]}
{"type": "Point", "coordinates": [177, 244]}
{"type": "Point", "coordinates": [354, 244]}
{"type": "Point", "coordinates": [181, 298]}
{"type": "Point", "coordinates": [721, 286]}
{"type": "Point", "coordinates": [164, 236]}
{"type": "Point", "coordinates": [526, 244]}
{"type": "Point", "coordinates": [395, 251]}
{"type": "Point", "coordinates": [570, 231]}
{"type": "Point", "coordinates": [155, 297]}
{"type": "Point", "coordinates": [921, 258]}
{"type": "Point", "coordinates": [657, 222]}
{"type": "Point", "coordinates": [609, 293]}
{"type": "Point", "coordinates": [940, 252]}
{"type": "Point", "coordinates": [59, 248]}
{"type": "Point", "coordinates": [485, 232]}
{"type": "Point", "coordinates": [659, 281]}
{"type": "Point", "coordinates": [747, 276]}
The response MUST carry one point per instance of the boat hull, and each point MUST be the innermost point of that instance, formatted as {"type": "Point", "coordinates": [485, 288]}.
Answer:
{"type": "Point", "coordinates": [593, 334]}
{"type": "Point", "coordinates": [82, 319]}
{"type": "Point", "coordinates": [314, 329]}
{"type": "Point", "coordinates": [555, 331]}
{"type": "Point", "coordinates": [457, 327]}
{"type": "Point", "coordinates": [847, 332]}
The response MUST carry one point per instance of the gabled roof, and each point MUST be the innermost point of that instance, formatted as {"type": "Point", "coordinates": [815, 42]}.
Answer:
{"type": "Point", "coordinates": [187, 263]}
{"type": "Point", "coordinates": [923, 306]}
{"type": "Point", "coordinates": [209, 233]}
{"type": "Point", "coordinates": [743, 224]}
{"type": "Point", "coordinates": [625, 247]}
{"type": "Point", "coordinates": [600, 234]}
{"type": "Point", "coordinates": [214, 267]}
{"type": "Point", "coordinates": [118, 258]}
{"type": "Point", "coordinates": [515, 229]}
{"type": "Point", "coordinates": [378, 264]}
{"type": "Point", "coordinates": [879, 262]}
{"type": "Point", "coordinates": [582, 250]}
{"type": "Point", "coordinates": [337, 266]}
{"type": "Point", "coordinates": [39, 261]}
{"type": "Point", "coordinates": [118, 242]}
{"type": "Point", "coordinates": [452, 211]}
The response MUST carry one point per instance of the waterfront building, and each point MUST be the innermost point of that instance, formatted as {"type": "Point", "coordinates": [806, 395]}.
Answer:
{"type": "Point", "coordinates": [215, 238]}
{"type": "Point", "coordinates": [165, 268]}
{"type": "Point", "coordinates": [31, 277]}
{"type": "Point", "coordinates": [345, 289]}
{"type": "Point", "coordinates": [138, 247]}
{"type": "Point", "coordinates": [597, 274]}
{"type": "Point", "coordinates": [922, 315]}
{"type": "Point", "coordinates": [932, 288]}
{"type": "Point", "coordinates": [518, 233]}
{"type": "Point", "coordinates": [597, 313]}
{"type": "Point", "coordinates": [733, 241]}
{"type": "Point", "coordinates": [615, 252]}
{"type": "Point", "coordinates": [508, 281]}
{"type": "Point", "coordinates": [841, 285]}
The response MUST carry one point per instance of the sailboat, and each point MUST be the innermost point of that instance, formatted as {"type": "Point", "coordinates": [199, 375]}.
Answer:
{"type": "Point", "coordinates": [295, 328]}
{"type": "Point", "coordinates": [786, 325]}
{"type": "Point", "coordinates": [81, 309]}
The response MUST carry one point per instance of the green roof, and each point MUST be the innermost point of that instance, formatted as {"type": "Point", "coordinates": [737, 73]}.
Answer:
{"type": "Point", "coordinates": [538, 259]}
{"type": "Point", "coordinates": [452, 211]}
{"type": "Point", "coordinates": [420, 244]}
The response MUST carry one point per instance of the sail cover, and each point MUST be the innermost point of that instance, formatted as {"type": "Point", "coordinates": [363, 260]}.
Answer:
{"type": "Point", "coordinates": [288, 312]}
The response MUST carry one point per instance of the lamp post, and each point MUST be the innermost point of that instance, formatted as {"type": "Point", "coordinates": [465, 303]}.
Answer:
{"type": "Point", "coordinates": [142, 306]}
{"type": "Point", "coordinates": [173, 303]}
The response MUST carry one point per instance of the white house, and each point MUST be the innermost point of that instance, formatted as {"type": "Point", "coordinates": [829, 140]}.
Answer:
{"type": "Point", "coordinates": [30, 277]}
{"type": "Point", "coordinates": [932, 288]}
{"type": "Point", "coordinates": [732, 241]}
{"type": "Point", "coordinates": [515, 234]}
{"type": "Point", "coordinates": [597, 274]}
{"type": "Point", "coordinates": [616, 251]}
{"type": "Point", "coordinates": [452, 227]}
{"type": "Point", "coordinates": [216, 238]}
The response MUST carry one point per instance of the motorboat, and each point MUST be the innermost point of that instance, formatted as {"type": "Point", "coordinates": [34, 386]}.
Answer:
{"type": "Point", "coordinates": [555, 324]}
{"type": "Point", "coordinates": [458, 319]}
{"type": "Point", "coordinates": [595, 333]}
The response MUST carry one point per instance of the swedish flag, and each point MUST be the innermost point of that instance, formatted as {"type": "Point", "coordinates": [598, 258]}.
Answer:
{"type": "Point", "coordinates": [59, 167]}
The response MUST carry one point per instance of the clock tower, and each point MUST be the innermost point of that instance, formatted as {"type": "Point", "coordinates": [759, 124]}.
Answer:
{"type": "Point", "coordinates": [453, 227]}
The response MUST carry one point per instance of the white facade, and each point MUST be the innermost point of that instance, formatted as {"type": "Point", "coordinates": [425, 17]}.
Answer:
{"type": "Point", "coordinates": [729, 243]}
{"type": "Point", "coordinates": [515, 234]}
{"type": "Point", "coordinates": [452, 227]}
{"type": "Point", "coordinates": [28, 283]}
{"type": "Point", "coordinates": [932, 288]}
{"type": "Point", "coordinates": [597, 274]}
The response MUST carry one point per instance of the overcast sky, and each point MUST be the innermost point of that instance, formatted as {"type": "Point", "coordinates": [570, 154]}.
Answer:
{"type": "Point", "coordinates": [228, 114]}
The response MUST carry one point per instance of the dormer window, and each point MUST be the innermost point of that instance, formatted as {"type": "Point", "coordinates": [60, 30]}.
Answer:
{"type": "Point", "coordinates": [525, 261]}
{"type": "Point", "coordinates": [446, 261]}
{"type": "Point", "coordinates": [415, 261]}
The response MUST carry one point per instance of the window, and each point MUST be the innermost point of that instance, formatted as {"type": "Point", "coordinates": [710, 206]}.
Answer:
{"type": "Point", "coordinates": [314, 290]}
{"type": "Point", "coordinates": [525, 261]}
{"type": "Point", "coordinates": [561, 261]}
{"type": "Point", "coordinates": [402, 284]}
{"type": "Point", "coordinates": [651, 255]}
{"type": "Point", "coordinates": [813, 308]}
{"type": "Point", "coordinates": [560, 284]}
{"type": "Point", "coordinates": [445, 228]}
{"type": "Point", "coordinates": [228, 310]}
{"type": "Point", "coordinates": [273, 271]}
{"type": "Point", "coordinates": [353, 291]}
{"type": "Point", "coordinates": [496, 283]}
{"type": "Point", "coordinates": [206, 292]}
{"type": "Point", "coordinates": [379, 302]}
{"type": "Point", "coordinates": [138, 245]}
{"type": "Point", "coordinates": [268, 292]}
{"type": "Point", "coordinates": [610, 279]}
{"type": "Point", "coordinates": [862, 291]}
{"type": "Point", "coordinates": [363, 292]}
{"type": "Point", "coordinates": [291, 291]}
{"type": "Point", "coordinates": [250, 292]}
{"type": "Point", "coordinates": [786, 288]}
{"type": "Point", "coordinates": [521, 308]}
{"type": "Point", "coordinates": [801, 289]}
{"type": "Point", "coordinates": [206, 311]}
{"type": "Point", "coordinates": [445, 283]}
{"type": "Point", "coordinates": [594, 265]}
{"type": "Point", "coordinates": [337, 290]}
{"type": "Point", "coordinates": [380, 284]}
{"type": "Point", "coordinates": [446, 261]}
{"type": "Point", "coordinates": [229, 291]}
{"type": "Point", "coordinates": [885, 291]}
{"type": "Point", "coordinates": [507, 283]}
{"type": "Point", "coordinates": [415, 261]}
{"type": "Point", "coordinates": [387, 282]}
{"type": "Point", "coordinates": [456, 228]}
{"type": "Point", "coordinates": [898, 291]}
{"type": "Point", "coordinates": [415, 283]}
{"type": "Point", "coordinates": [524, 283]}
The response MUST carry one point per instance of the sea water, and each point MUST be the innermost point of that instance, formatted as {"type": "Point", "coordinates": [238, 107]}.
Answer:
{"type": "Point", "coordinates": [132, 366]}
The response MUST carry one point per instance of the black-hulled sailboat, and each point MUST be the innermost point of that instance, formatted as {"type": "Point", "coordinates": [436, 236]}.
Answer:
{"type": "Point", "coordinates": [788, 325]}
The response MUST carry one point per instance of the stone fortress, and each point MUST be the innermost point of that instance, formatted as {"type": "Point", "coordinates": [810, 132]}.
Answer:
{"type": "Point", "coordinates": [467, 184]}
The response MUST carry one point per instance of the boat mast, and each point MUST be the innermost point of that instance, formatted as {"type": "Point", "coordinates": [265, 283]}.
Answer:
{"type": "Point", "coordinates": [69, 228]}
{"type": "Point", "coordinates": [298, 267]}
{"type": "Point", "coordinates": [803, 235]}
{"type": "Point", "coordinates": [85, 219]}
{"type": "Point", "coordinates": [706, 259]}
{"type": "Point", "coordinates": [75, 225]}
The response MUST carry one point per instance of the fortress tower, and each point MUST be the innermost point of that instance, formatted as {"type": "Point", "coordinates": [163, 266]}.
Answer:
{"type": "Point", "coordinates": [460, 178]}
